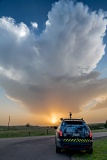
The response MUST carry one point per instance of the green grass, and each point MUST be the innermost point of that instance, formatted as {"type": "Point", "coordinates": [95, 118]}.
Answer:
{"type": "Point", "coordinates": [99, 153]}
{"type": "Point", "coordinates": [99, 130]}
{"type": "Point", "coordinates": [23, 131]}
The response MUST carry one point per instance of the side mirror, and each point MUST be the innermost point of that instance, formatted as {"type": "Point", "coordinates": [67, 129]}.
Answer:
{"type": "Point", "coordinates": [55, 127]}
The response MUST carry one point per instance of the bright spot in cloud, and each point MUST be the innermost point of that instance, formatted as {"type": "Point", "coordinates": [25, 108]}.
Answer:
{"type": "Point", "coordinates": [93, 102]}
{"type": "Point", "coordinates": [34, 24]}
{"type": "Point", "coordinates": [48, 23]}
{"type": "Point", "coordinates": [22, 33]}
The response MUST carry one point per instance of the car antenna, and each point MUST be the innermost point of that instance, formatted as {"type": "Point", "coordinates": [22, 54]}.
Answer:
{"type": "Point", "coordinates": [70, 115]}
{"type": "Point", "coordinates": [61, 119]}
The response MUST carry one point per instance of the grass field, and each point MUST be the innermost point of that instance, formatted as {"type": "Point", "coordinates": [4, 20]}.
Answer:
{"type": "Point", "coordinates": [99, 130]}
{"type": "Point", "coordinates": [99, 153]}
{"type": "Point", "coordinates": [23, 131]}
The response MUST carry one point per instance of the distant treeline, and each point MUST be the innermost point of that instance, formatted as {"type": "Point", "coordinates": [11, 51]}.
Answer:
{"type": "Point", "coordinates": [97, 126]}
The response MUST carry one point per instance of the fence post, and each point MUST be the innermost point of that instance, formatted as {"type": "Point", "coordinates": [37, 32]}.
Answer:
{"type": "Point", "coordinates": [8, 122]}
{"type": "Point", "coordinates": [47, 130]}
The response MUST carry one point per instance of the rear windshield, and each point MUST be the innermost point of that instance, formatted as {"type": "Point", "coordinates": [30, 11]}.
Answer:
{"type": "Point", "coordinates": [72, 122]}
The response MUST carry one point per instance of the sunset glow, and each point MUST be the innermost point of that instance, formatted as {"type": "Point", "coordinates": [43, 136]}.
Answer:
{"type": "Point", "coordinates": [54, 118]}
{"type": "Point", "coordinates": [53, 62]}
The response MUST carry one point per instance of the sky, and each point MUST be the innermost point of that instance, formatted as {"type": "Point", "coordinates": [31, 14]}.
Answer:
{"type": "Point", "coordinates": [53, 60]}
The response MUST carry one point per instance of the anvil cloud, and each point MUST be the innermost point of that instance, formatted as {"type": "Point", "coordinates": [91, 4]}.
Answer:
{"type": "Point", "coordinates": [55, 69]}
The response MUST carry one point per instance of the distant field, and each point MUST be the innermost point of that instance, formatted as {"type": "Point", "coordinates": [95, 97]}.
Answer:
{"type": "Point", "coordinates": [23, 131]}
{"type": "Point", "coordinates": [99, 153]}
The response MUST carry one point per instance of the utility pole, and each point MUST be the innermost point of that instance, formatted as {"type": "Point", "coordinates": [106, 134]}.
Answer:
{"type": "Point", "coordinates": [8, 122]}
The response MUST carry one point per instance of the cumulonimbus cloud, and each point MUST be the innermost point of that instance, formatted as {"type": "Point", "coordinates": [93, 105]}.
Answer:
{"type": "Point", "coordinates": [55, 68]}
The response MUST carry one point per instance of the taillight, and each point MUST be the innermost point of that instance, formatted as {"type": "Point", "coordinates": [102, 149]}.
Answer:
{"type": "Point", "coordinates": [60, 133]}
{"type": "Point", "coordinates": [90, 134]}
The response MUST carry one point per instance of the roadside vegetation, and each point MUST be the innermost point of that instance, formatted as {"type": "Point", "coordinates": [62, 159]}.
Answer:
{"type": "Point", "coordinates": [29, 130]}
{"type": "Point", "coordinates": [99, 153]}
{"type": "Point", "coordinates": [97, 126]}
{"type": "Point", "coordinates": [25, 131]}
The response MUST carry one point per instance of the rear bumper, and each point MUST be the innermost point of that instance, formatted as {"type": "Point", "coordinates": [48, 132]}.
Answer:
{"type": "Point", "coordinates": [74, 145]}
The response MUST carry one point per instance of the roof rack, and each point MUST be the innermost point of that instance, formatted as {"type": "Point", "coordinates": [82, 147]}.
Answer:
{"type": "Point", "coordinates": [70, 118]}
{"type": "Point", "coordinates": [73, 119]}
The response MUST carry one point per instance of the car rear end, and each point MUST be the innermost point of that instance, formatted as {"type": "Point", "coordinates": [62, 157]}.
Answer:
{"type": "Point", "coordinates": [75, 135]}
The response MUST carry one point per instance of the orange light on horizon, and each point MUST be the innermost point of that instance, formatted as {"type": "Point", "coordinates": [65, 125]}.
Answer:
{"type": "Point", "coordinates": [54, 118]}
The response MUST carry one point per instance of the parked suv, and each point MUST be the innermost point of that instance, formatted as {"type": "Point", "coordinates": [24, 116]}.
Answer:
{"type": "Point", "coordinates": [73, 134]}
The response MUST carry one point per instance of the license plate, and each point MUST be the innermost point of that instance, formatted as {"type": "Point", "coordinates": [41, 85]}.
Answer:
{"type": "Point", "coordinates": [76, 134]}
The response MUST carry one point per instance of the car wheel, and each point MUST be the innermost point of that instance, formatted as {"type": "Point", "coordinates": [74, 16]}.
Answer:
{"type": "Point", "coordinates": [90, 151]}
{"type": "Point", "coordinates": [58, 150]}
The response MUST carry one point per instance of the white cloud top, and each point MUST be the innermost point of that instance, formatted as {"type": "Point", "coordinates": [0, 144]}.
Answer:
{"type": "Point", "coordinates": [55, 68]}
{"type": "Point", "coordinates": [34, 24]}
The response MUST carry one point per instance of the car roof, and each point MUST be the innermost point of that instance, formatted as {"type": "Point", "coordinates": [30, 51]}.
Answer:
{"type": "Point", "coordinates": [72, 119]}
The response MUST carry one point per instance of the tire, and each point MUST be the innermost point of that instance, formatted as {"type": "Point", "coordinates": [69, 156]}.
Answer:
{"type": "Point", "coordinates": [58, 150]}
{"type": "Point", "coordinates": [90, 151]}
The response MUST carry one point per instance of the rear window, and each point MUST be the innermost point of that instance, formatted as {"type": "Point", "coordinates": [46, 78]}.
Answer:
{"type": "Point", "coordinates": [72, 128]}
{"type": "Point", "coordinates": [72, 123]}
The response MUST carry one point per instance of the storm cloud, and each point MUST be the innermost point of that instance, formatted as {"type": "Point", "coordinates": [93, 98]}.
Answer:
{"type": "Point", "coordinates": [55, 69]}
